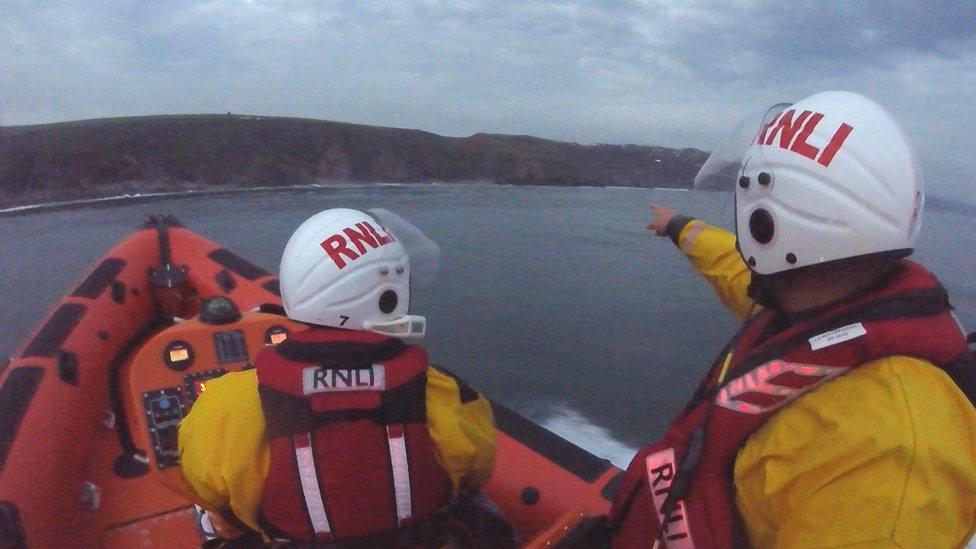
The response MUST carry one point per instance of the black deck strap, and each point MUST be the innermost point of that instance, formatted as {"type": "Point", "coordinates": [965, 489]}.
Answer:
{"type": "Point", "coordinates": [11, 530]}
{"type": "Point", "coordinates": [273, 286]}
{"type": "Point", "coordinates": [171, 221]}
{"type": "Point", "coordinates": [15, 398]}
{"type": "Point", "coordinates": [237, 264]}
{"type": "Point", "coordinates": [287, 414]}
{"type": "Point", "coordinates": [165, 250]}
{"type": "Point", "coordinates": [591, 532]}
{"type": "Point", "coordinates": [549, 445]}
{"type": "Point", "coordinates": [118, 292]}
{"type": "Point", "coordinates": [68, 367]}
{"type": "Point", "coordinates": [340, 354]}
{"type": "Point", "coordinates": [609, 491]}
{"type": "Point", "coordinates": [55, 331]}
{"type": "Point", "coordinates": [272, 308]}
{"type": "Point", "coordinates": [100, 278]}
{"type": "Point", "coordinates": [225, 280]}
{"type": "Point", "coordinates": [465, 393]}
{"type": "Point", "coordinates": [163, 220]}
{"type": "Point", "coordinates": [114, 378]}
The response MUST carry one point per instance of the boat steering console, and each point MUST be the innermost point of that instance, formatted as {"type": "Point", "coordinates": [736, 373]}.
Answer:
{"type": "Point", "coordinates": [173, 368]}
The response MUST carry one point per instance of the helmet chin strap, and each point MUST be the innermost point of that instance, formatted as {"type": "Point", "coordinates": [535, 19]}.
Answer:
{"type": "Point", "coordinates": [405, 327]}
{"type": "Point", "coordinates": [760, 290]}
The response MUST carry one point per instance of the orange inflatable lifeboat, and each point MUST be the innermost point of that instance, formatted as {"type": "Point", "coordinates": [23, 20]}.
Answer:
{"type": "Point", "coordinates": [90, 405]}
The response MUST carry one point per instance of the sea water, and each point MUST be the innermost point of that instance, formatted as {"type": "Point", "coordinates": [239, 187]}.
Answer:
{"type": "Point", "coordinates": [552, 300]}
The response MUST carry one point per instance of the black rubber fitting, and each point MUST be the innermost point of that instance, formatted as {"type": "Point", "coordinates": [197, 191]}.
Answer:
{"type": "Point", "coordinates": [530, 495]}
{"type": "Point", "coordinates": [676, 225]}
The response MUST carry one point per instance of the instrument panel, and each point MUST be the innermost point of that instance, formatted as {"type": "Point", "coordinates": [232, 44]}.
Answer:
{"type": "Point", "coordinates": [173, 368]}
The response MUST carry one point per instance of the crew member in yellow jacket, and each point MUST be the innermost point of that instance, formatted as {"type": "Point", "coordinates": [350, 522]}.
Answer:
{"type": "Point", "coordinates": [343, 433]}
{"type": "Point", "coordinates": [895, 439]}
{"type": "Point", "coordinates": [842, 414]}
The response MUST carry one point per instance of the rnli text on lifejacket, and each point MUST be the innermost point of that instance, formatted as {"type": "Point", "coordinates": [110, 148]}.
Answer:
{"type": "Point", "coordinates": [331, 380]}
{"type": "Point", "coordinates": [660, 474]}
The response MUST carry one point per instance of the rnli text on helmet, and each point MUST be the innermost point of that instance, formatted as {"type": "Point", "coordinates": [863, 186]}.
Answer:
{"type": "Point", "coordinates": [787, 129]}
{"type": "Point", "coordinates": [337, 245]}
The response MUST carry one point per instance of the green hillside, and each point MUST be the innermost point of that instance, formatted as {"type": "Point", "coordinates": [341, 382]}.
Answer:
{"type": "Point", "coordinates": [103, 157]}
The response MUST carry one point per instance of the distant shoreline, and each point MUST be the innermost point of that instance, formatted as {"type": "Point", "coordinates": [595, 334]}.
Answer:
{"type": "Point", "coordinates": [938, 203]}
{"type": "Point", "coordinates": [153, 155]}
{"type": "Point", "coordinates": [132, 198]}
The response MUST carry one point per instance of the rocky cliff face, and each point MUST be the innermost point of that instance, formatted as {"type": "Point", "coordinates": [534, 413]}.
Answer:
{"type": "Point", "coordinates": [108, 156]}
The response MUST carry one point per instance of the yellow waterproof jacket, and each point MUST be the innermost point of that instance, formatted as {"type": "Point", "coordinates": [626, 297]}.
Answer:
{"type": "Point", "coordinates": [884, 456]}
{"type": "Point", "coordinates": [224, 453]}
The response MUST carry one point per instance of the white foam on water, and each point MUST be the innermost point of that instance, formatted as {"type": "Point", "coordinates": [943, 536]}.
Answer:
{"type": "Point", "coordinates": [578, 429]}
{"type": "Point", "coordinates": [625, 188]}
{"type": "Point", "coordinates": [85, 201]}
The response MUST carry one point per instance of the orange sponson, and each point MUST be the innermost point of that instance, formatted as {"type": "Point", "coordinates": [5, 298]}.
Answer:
{"type": "Point", "coordinates": [86, 444]}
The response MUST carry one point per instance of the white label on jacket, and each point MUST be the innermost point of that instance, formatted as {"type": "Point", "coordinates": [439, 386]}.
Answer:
{"type": "Point", "coordinates": [338, 380]}
{"type": "Point", "coordinates": [840, 335]}
{"type": "Point", "coordinates": [661, 469]}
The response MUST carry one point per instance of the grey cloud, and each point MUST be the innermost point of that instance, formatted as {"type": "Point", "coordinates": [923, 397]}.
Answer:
{"type": "Point", "coordinates": [655, 71]}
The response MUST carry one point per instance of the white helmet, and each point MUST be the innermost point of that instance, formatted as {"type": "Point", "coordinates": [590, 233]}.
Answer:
{"type": "Point", "coordinates": [342, 268]}
{"type": "Point", "coordinates": [830, 177]}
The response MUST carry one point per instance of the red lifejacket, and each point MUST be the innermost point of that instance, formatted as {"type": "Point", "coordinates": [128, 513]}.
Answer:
{"type": "Point", "coordinates": [351, 455]}
{"type": "Point", "coordinates": [907, 316]}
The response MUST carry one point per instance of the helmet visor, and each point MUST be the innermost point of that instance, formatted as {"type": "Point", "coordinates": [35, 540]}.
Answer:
{"type": "Point", "coordinates": [721, 170]}
{"type": "Point", "coordinates": [424, 253]}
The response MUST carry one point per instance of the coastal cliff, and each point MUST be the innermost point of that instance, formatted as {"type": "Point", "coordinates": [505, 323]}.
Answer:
{"type": "Point", "coordinates": [104, 157]}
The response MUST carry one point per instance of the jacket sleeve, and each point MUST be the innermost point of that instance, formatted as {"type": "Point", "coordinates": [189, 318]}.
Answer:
{"type": "Point", "coordinates": [462, 428]}
{"type": "Point", "coordinates": [224, 455]}
{"type": "Point", "coordinates": [712, 253]}
{"type": "Point", "coordinates": [881, 457]}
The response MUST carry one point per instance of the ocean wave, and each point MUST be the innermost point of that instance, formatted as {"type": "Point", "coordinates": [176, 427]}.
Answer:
{"type": "Point", "coordinates": [578, 429]}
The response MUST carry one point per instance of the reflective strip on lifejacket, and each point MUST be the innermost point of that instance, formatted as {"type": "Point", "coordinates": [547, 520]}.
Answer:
{"type": "Point", "coordinates": [773, 384]}
{"type": "Point", "coordinates": [310, 485]}
{"type": "Point", "coordinates": [401, 471]}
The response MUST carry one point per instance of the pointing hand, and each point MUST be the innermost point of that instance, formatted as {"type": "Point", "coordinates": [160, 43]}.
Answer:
{"type": "Point", "coordinates": [662, 215]}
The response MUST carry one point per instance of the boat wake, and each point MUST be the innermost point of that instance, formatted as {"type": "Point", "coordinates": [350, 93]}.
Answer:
{"type": "Point", "coordinates": [578, 429]}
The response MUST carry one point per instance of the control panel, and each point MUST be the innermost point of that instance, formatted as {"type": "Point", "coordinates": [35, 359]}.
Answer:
{"type": "Point", "coordinates": [173, 369]}
{"type": "Point", "coordinates": [195, 384]}
{"type": "Point", "coordinates": [164, 410]}
{"type": "Point", "coordinates": [230, 346]}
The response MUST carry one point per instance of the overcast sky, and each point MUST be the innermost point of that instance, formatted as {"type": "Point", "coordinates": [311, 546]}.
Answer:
{"type": "Point", "coordinates": [668, 73]}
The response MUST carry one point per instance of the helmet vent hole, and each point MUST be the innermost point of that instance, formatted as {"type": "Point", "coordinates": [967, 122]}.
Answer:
{"type": "Point", "coordinates": [388, 301]}
{"type": "Point", "coordinates": [761, 226]}
{"type": "Point", "coordinates": [744, 182]}
{"type": "Point", "coordinates": [384, 271]}
{"type": "Point", "coordinates": [400, 269]}
{"type": "Point", "coordinates": [764, 179]}
{"type": "Point", "coordinates": [751, 261]}
{"type": "Point", "coordinates": [791, 258]}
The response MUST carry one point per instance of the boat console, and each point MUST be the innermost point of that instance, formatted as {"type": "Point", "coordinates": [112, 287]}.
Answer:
{"type": "Point", "coordinates": [89, 450]}
{"type": "Point", "coordinates": [172, 369]}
